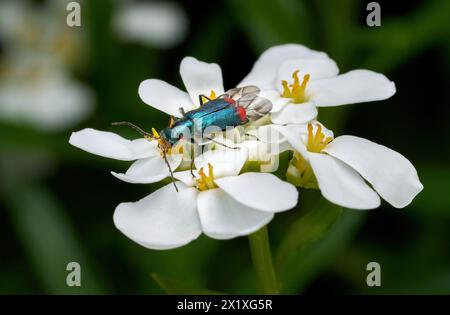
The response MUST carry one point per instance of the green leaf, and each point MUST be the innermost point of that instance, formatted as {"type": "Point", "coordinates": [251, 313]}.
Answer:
{"type": "Point", "coordinates": [173, 287]}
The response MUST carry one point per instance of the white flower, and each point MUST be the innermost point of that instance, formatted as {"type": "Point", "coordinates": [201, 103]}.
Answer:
{"type": "Point", "coordinates": [218, 202]}
{"type": "Point", "coordinates": [40, 29]}
{"type": "Point", "coordinates": [198, 78]}
{"type": "Point", "coordinates": [157, 24]}
{"type": "Point", "coordinates": [150, 166]}
{"type": "Point", "coordinates": [297, 80]}
{"type": "Point", "coordinates": [42, 95]}
{"type": "Point", "coordinates": [35, 86]}
{"type": "Point", "coordinates": [340, 168]}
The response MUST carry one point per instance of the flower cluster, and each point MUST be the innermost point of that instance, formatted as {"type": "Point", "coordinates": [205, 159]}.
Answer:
{"type": "Point", "coordinates": [231, 189]}
{"type": "Point", "coordinates": [37, 87]}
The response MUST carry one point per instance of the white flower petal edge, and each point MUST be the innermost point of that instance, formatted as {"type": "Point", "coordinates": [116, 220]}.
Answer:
{"type": "Point", "coordinates": [349, 88]}
{"type": "Point", "coordinates": [200, 78]}
{"type": "Point", "coordinates": [389, 172]}
{"type": "Point", "coordinates": [261, 191]}
{"type": "Point", "coordinates": [295, 114]}
{"type": "Point", "coordinates": [155, 24]}
{"type": "Point", "coordinates": [225, 162]}
{"type": "Point", "coordinates": [149, 170]}
{"type": "Point", "coordinates": [160, 220]}
{"type": "Point", "coordinates": [223, 218]}
{"type": "Point", "coordinates": [317, 68]}
{"type": "Point", "coordinates": [342, 185]}
{"type": "Point", "coordinates": [264, 71]}
{"type": "Point", "coordinates": [111, 145]}
{"type": "Point", "coordinates": [164, 97]}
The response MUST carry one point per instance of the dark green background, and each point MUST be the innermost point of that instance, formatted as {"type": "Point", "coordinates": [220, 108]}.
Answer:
{"type": "Point", "coordinates": [56, 202]}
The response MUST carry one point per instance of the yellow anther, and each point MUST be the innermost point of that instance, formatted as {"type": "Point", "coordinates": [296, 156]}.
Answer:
{"type": "Point", "coordinates": [205, 182]}
{"type": "Point", "coordinates": [171, 122]}
{"type": "Point", "coordinates": [155, 133]}
{"type": "Point", "coordinates": [296, 90]}
{"type": "Point", "coordinates": [317, 142]}
{"type": "Point", "coordinates": [286, 90]}
{"type": "Point", "coordinates": [212, 95]}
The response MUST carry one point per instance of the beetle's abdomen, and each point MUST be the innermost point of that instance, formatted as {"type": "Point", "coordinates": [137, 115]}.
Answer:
{"type": "Point", "coordinates": [213, 115]}
{"type": "Point", "coordinates": [226, 117]}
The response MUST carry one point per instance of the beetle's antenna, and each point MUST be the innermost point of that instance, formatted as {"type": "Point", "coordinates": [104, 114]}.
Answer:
{"type": "Point", "coordinates": [137, 128]}
{"type": "Point", "coordinates": [170, 170]}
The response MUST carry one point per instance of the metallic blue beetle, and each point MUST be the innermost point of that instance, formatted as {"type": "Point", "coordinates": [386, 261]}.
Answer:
{"type": "Point", "coordinates": [235, 107]}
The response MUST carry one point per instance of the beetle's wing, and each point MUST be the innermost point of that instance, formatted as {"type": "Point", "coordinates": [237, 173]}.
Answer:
{"type": "Point", "coordinates": [240, 92]}
{"type": "Point", "coordinates": [255, 106]}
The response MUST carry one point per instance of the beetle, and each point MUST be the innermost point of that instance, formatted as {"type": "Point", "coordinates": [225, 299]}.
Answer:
{"type": "Point", "coordinates": [235, 107]}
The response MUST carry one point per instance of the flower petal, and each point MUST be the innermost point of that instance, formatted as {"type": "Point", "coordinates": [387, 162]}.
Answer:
{"type": "Point", "coordinates": [261, 191]}
{"type": "Point", "coordinates": [321, 68]}
{"type": "Point", "coordinates": [274, 96]}
{"type": "Point", "coordinates": [297, 135]}
{"type": "Point", "coordinates": [149, 170]}
{"type": "Point", "coordinates": [156, 24]}
{"type": "Point", "coordinates": [164, 97]}
{"type": "Point", "coordinates": [389, 172]}
{"type": "Point", "coordinates": [201, 78]}
{"type": "Point", "coordinates": [225, 162]}
{"type": "Point", "coordinates": [294, 135]}
{"type": "Point", "coordinates": [111, 145]}
{"type": "Point", "coordinates": [352, 87]}
{"type": "Point", "coordinates": [223, 218]}
{"type": "Point", "coordinates": [341, 184]}
{"type": "Point", "coordinates": [295, 114]}
{"type": "Point", "coordinates": [264, 71]}
{"type": "Point", "coordinates": [164, 219]}
{"type": "Point", "coordinates": [186, 177]}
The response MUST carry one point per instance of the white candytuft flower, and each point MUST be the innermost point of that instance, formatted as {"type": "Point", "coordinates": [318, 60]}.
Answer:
{"type": "Point", "coordinates": [156, 24]}
{"type": "Point", "coordinates": [297, 80]}
{"type": "Point", "coordinates": [217, 201]}
{"type": "Point", "coordinates": [341, 166]}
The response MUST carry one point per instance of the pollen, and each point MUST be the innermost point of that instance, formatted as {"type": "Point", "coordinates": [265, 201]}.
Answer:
{"type": "Point", "coordinates": [155, 133]}
{"type": "Point", "coordinates": [212, 95]}
{"type": "Point", "coordinates": [296, 91]}
{"type": "Point", "coordinates": [317, 142]}
{"type": "Point", "coordinates": [204, 181]}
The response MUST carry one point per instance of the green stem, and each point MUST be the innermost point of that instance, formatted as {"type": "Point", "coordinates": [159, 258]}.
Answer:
{"type": "Point", "coordinates": [262, 261]}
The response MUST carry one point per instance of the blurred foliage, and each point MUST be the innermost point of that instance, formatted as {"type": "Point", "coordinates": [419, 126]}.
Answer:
{"type": "Point", "coordinates": [57, 202]}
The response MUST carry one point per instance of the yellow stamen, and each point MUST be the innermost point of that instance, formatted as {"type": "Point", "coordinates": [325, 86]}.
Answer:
{"type": "Point", "coordinates": [303, 176]}
{"type": "Point", "coordinates": [212, 95]}
{"type": "Point", "coordinates": [317, 142]}
{"type": "Point", "coordinates": [155, 133]}
{"type": "Point", "coordinates": [296, 90]}
{"type": "Point", "coordinates": [205, 182]}
{"type": "Point", "coordinates": [171, 122]}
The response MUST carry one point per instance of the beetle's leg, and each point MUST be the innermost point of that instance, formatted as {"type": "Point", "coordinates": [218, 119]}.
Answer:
{"type": "Point", "coordinates": [170, 171]}
{"type": "Point", "coordinates": [222, 144]}
{"type": "Point", "coordinates": [202, 98]}
{"type": "Point", "coordinates": [181, 109]}
{"type": "Point", "coordinates": [250, 135]}
{"type": "Point", "coordinates": [192, 159]}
